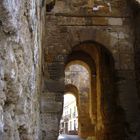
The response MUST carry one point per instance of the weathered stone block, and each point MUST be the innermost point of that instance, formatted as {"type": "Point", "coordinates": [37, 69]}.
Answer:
{"type": "Point", "coordinates": [115, 21]}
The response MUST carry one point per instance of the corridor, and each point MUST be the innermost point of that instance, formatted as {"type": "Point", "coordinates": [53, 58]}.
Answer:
{"type": "Point", "coordinates": [89, 49]}
{"type": "Point", "coordinates": [73, 137]}
{"type": "Point", "coordinates": [69, 137]}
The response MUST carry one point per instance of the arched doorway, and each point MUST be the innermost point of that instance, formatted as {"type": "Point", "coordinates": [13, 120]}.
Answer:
{"type": "Point", "coordinates": [103, 95]}
{"type": "Point", "coordinates": [78, 73]}
{"type": "Point", "coordinates": [100, 102]}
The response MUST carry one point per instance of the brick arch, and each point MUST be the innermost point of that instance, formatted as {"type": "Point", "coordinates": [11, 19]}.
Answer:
{"type": "Point", "coordinates": [94, 36]}
{"type": "Point", "coordinates": [83, 58]}
{"type": "Point", "coordinates": [84, 118]}
{"type": "Point", "coordinates": [92, 47]}
{"type": "Point", "coordinates": [70, 86]}
{"type": "Point", "coordinates": [103, 95]}
{"type": "Point", "coordinates": [72, 89]}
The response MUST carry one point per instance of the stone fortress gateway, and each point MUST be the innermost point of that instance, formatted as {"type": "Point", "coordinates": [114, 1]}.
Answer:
{"type": "Point", "coordinates": [39, 39]}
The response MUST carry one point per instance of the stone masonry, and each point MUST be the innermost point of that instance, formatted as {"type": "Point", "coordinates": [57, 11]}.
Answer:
{"type": "Point", "coordinates": [108, 23]}
{"type": "Point", "coordinates": [38, 38]}
{"type": "Point", "coordinates": [21, 25]}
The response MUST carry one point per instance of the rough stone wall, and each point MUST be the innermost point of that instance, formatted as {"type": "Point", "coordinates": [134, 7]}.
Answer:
{"type": "Point", "coordinates": [21, 23]}
{"type": "Point", "coordinates": [71, 23]}
{"type": "Point", "coordinates": [136, 23]}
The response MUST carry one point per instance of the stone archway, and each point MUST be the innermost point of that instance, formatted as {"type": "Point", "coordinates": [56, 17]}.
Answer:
{"type": "Point", "coordinates": [83, 96]}
{"type": "Point", "coordinates": [103, 95]}
{"type": "Point", "coordinates": [73, 90]}
{"type": "Point", "coordinates": [86, 60]}
{"type": "Point", "coordinates": [25, 39]}
{"type": "Point", "coordinates": [102, 103]}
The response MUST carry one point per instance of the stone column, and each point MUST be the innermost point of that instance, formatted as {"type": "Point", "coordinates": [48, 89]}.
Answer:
{"type": "Point", "coordinates": [112, 117]}
{"type": "Point", "coordinates": [51, 108]}
{"type": "Point", "coordinates": [52, 99]}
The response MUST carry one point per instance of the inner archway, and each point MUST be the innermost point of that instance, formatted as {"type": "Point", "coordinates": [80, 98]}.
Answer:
{"type": "Point", "coordinates": [101, 102]}
{"type": "Point", "coordinates": [94, 90]}
{"type": "Point", "coordinates": [77, 74]}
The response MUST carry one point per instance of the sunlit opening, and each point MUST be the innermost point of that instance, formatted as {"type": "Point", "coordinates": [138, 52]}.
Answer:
{"type": "Point", "coordinates": [69, 121]}
{"type": "Point", "coordinates": [77, 76]}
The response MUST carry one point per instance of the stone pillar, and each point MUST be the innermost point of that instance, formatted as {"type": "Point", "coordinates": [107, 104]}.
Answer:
{"type": "Point", "coordinates": [136, 22]}
{"type": "Point", "coordinates": [86, 128]}
{"type": "Point", "coordinates": [51, 108]}
{"type": "Point", "coordinates": [52, 99]}
{"type": "Point", "coordinates": [93, 99]}
{"type": "Point", "coordinates": [129, 102]}
{"type": "Point", "coordinates": [84, 119]}
{"type": "Point", "coordinates": [112, 126]}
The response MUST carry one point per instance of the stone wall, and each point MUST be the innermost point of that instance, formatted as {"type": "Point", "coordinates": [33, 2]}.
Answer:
{"type": "Point", "coordinates": [72, 23]}
{"type": "Point", "coordinates": [69, 23]}
{"type": "Point", "coordinates": [136, 22]}
{"type": "Point", "coordinates": [21, 25]}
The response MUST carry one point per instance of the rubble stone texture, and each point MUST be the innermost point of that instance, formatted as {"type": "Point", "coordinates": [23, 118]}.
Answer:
{"type": "Point", "coordinates": [21, 24]}
{"type": "Point", "coordinates": [35, 46]}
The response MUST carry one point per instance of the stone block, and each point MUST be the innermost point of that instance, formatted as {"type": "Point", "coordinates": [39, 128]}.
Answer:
{"type": "Point", "coordinates": [126, 61]}
{"type": "Point", "coordinates": [54, 86]}
{"type": "Point", "coordinates": [115, 21]}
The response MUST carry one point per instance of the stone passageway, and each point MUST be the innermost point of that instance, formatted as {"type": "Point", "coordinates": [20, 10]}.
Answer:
{"type": "Point", "coordinates": [41, 40]}
{"type": "Point", "coordinates": [101, 41]}
{"type": "Point", "coordinates": [69, 137]}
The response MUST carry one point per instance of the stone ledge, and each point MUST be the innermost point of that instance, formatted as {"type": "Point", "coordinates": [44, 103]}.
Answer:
{"type": "Point", "coordinates": [90, 21]}
{"type": "Point", "coordinates": [120, 15]}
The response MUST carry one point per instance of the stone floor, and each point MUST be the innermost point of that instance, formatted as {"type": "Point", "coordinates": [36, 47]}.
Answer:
{"type": "Point", "coordinates": [73, 137]}
{"type": "Point", "coordinates": [69, 137]}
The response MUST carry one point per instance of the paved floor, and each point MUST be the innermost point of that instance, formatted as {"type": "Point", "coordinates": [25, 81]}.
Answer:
{"type": "Point", "coordinates": [69, 137]}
